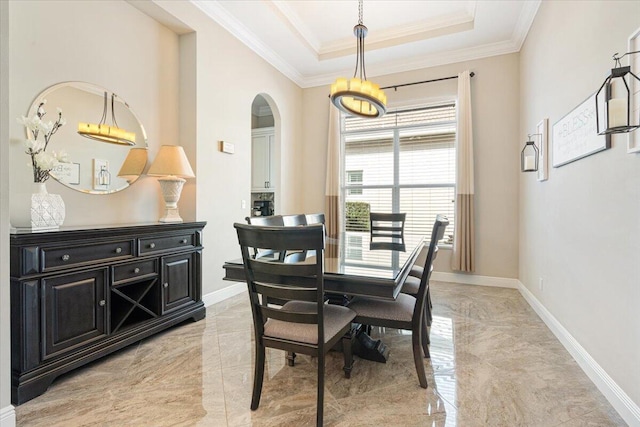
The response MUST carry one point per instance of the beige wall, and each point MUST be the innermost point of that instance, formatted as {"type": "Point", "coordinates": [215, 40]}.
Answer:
{"type": "Point", "coordinates": [580, 230]}
{"type": "Point", "coordinates": [228, 78]}
{"type": "Point", "coordinates": [494, 92]}
{"type": "Point", "coordinates": [6, 413]}
{"type": "Point", "coordinates": [193, 89]}
{"type": "Point", "coordinates": [53, 42]}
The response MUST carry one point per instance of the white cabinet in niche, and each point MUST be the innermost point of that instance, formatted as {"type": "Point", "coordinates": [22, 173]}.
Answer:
{"type": "Point", "coordinates": [262, 159]}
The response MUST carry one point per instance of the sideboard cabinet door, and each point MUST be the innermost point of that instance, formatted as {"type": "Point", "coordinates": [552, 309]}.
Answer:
{"type": "Point", "coordinates": [178, 281]}
{"type": "Point", "coordinates": [73, 310]}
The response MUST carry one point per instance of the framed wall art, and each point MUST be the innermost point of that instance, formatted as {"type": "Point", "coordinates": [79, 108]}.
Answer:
{"type": "Point", "coordinates": [543, 166]}
{"type": "Point", "coordinates": [575, 135]}
{"type": "Point", "coordinates": [69, 173]}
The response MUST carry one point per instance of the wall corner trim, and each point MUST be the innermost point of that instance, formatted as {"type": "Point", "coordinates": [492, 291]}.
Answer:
{"type": "Point", "coordinates": [222, 294]}
{"type": "Point", "coordinates": [8, 416]}
{"type": "Point", "coordinates": [622, 403]}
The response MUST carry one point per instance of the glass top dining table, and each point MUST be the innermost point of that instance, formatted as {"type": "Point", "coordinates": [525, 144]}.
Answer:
{"type": "Point", "coordinates": [355, 266]}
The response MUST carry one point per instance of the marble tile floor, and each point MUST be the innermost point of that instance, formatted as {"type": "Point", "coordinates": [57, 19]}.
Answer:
{"type": "Point", "coordinates": [493, 363]}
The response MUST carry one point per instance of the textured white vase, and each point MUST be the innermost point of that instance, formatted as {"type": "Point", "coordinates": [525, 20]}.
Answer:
{"type": "Point", "coordinates": [47, 210]}
{"type": "Point", "coordinates": [37, 210]}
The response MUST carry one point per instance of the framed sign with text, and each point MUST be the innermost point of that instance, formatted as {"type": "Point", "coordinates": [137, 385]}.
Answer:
{"type": "Point", "coordinates": [69, 173]}
{"type": "Point", "coordinates": [575, 135]}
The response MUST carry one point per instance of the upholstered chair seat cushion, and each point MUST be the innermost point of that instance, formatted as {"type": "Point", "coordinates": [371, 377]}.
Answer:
{"type": "Point", "coordinates": [399, 310]}
{"type": "Point", "coordinates": [416, 271]}
{"type": "Point", "coordinates": [335, 318]}
{"type": "Point", "coordinates": [411, 285]}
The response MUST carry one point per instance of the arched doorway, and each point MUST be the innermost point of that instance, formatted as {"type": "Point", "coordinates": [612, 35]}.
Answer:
{"type": "Point", "coordinates": [265, 159]}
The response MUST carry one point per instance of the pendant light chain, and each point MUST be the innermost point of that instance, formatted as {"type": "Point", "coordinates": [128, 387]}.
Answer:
{"type": "Point", "coordinates": [358, 96]}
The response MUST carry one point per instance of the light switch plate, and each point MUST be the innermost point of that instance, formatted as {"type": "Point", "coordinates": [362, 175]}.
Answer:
{"type": "Point", "coordinates": [227, 147]}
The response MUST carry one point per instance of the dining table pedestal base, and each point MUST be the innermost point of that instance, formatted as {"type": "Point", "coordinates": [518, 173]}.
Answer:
{"type": "Point", "coordinates": [367, 348]}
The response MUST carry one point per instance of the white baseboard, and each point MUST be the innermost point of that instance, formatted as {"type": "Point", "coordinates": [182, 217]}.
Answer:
{"type": "Point", "coordinates": [473, 279]}
{"type": "Point", "coordinates": [222, 294]}
{"type": "Point", "coordinates": [8, 416]}
{"type": "Point", "coordinates": [622, 403]}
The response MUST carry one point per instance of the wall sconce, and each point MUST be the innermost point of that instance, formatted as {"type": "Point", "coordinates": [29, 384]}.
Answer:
{"type": "Point", "coordinates": [613, 114]}
{"type": "Point", "coordinates": [529, 157]}
{"type": "Point", "coordinates": [172, 165]}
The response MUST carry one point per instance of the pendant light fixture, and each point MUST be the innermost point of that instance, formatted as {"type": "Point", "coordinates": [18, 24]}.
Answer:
{"type": "Point", "coordinates": [358, 96]}
{"type": "Point", "coordinates": [616, 117]}
{"type": "Point", "coordinates": [105, 133]}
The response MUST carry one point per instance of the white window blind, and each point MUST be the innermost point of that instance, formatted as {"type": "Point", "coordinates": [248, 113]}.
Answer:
{"type": "Point", "coordinates": [407, 164]}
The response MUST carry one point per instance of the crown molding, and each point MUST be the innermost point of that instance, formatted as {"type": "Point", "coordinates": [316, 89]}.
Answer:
{"type": "Point", "coordinates": [452, 57]}
{"type": "Point", "coordinates": [525, 20]}
{"type": "Point", "coordinates": [291, 19]}
{"type": "Point", "coordinates": [262, 111]}
{"type": "Point", "coordinates": [400, 35]}
{"type": "Point", "coordinates": [216, 12]}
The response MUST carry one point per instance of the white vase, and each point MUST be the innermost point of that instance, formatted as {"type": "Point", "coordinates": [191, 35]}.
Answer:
{"type": "Point", "coordinates": [47, 211]}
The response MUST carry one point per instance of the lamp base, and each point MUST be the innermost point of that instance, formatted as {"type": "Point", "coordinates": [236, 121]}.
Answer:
{"type": "Point", "coordinates": [171, 188]}
{"type": "Point", "coordinates": [171, 215]}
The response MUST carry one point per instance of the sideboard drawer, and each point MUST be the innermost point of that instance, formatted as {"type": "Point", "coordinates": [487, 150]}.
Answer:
{"type": "Point", "coordinates": [164, 243]}
{"type": "Point", "coordinates": [62, 257]}
{"type": "Point", "coordinates": [134, 270]}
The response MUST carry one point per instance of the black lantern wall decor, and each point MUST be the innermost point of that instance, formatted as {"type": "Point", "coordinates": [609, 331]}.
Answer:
{"type": "Point", "coordinates": [530, 155]}
{"type": "Point", "coordinates": [613, 115]}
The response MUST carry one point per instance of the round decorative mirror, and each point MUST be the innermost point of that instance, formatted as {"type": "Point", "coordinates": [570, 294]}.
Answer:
{"type": "Point", "coordinates": [106, 144]}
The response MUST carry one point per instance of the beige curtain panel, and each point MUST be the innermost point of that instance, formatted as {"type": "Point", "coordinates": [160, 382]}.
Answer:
{"type": "Point", "coordinates": [332, 185]}
{"type": "Point", "coordinates": [463, 256]}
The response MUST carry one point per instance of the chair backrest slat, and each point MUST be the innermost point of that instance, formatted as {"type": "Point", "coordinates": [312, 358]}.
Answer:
{"type": "Point", "coordinates": [271, 268]}
{"type": "Point", "coordinates": [286, 292]}
{"type": "Point", "coordinates": [273, 220]}
{"type": "Point", "coordinates": [293, 220]}
{"type": "Point", "coordinates": [317, 218]}
{"type": "Point", "coordinates": [288, 316]}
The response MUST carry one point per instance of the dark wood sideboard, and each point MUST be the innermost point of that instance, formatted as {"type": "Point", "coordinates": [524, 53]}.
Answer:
{"type": "Point", "coordinates": [80, 294]}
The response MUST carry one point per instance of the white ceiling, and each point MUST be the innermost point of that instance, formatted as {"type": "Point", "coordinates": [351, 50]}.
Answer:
{"type": "Point", "coordinates": [312, 41]}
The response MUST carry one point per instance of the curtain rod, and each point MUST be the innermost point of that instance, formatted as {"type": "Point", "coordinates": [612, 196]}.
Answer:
{"type": "Point", "coordinates": [395, 87]}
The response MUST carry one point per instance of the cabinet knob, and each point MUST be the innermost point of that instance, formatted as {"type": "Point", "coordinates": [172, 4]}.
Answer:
{"type": "Point", "coordinates": [183, 241]}
{"type": "Point", "coordinates": [165, 285]}
{"type": "Point", "coordinates": [102, 303]}
{"type": "Point", "coordinates": [65, 257]}
{"type": "Point", "coordinates": [152, 245]}
{"type": "Point", "coordinates": [136, 270]}
{"type": "Point", "coordinates": [118, 250]}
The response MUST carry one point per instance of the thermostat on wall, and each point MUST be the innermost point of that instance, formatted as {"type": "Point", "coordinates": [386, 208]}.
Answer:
{"type": "Point", "coordinates": [227, 147]}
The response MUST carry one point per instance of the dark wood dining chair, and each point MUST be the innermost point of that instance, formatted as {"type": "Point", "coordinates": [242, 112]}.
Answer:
{"type": "Point", "coordinates": [387, 227]}
{"type": "Point", "coordinates": [273, 220]}
{"type": "Point", "coordinates": [317, 218]}
{"type": "Point", "coordinates": [293, 220]}
{"type": "Point", "coordinates": [304, 324]}
{"type": "Point", "coordinates": [405, 312]}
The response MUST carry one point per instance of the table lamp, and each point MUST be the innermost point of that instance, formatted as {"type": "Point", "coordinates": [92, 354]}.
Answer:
{"type": "Point", "coordinates": [172, 165]}
{"type": "Point", "coordinates": [133, 165]}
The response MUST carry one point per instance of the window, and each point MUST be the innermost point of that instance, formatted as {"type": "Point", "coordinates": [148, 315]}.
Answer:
{"type": "Point", "coordinates": [402, 162]}
{"type": "Point", "coordinates": [354, 178]}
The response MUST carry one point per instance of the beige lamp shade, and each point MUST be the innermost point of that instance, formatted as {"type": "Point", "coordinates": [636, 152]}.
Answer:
{"type": "Point", "coordinates": [171, 160]}
{"type": "Point", "coordinates": [134, 164]}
